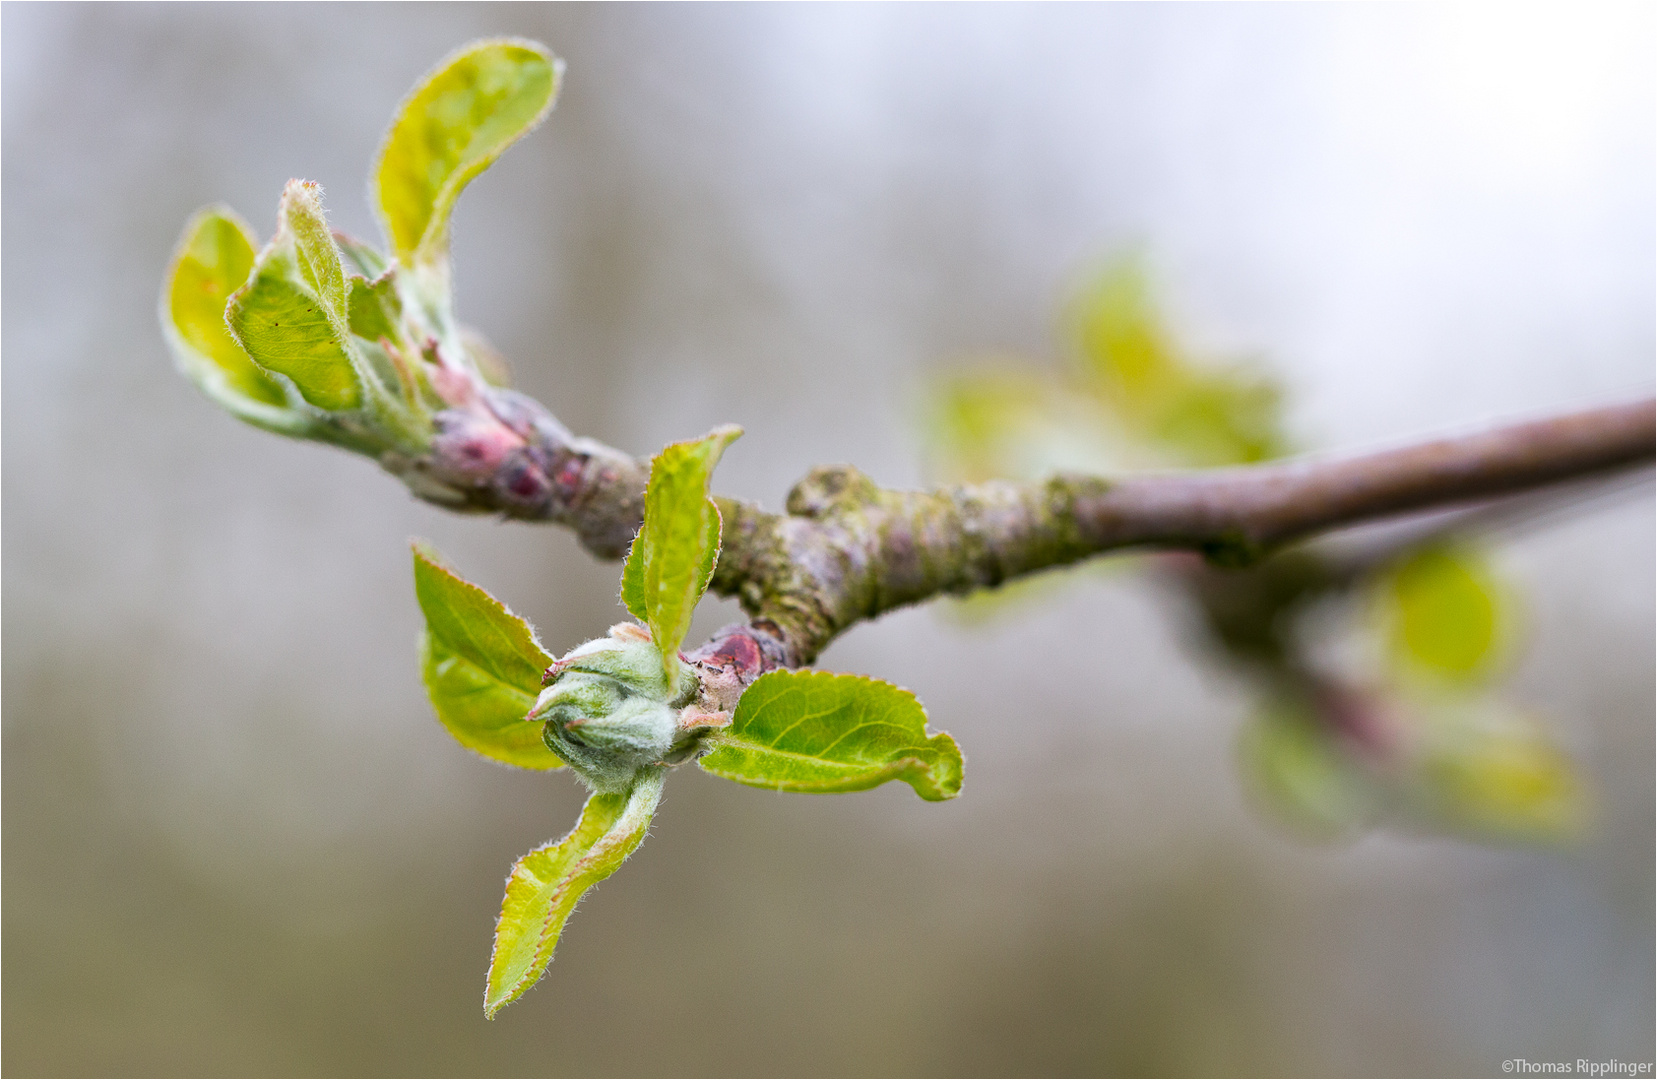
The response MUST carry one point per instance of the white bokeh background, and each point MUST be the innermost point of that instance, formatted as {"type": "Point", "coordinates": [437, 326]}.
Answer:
{"type": "Point", "coordinates": [235, 841]}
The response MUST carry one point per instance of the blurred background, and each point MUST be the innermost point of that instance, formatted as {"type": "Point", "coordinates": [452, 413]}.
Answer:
{"type": "Point", "coordinates": [235, 840]}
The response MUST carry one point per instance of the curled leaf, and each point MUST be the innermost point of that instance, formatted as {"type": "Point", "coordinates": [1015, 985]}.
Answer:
{"type": "Point", "coordinates": [292, 315]}
{"type": "Point", "coordinates": [461, 117]}
{"type": "Point", "coordinates": [214, 258]}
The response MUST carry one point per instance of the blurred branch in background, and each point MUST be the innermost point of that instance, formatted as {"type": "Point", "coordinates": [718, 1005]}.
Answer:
{"type": "Point", "coordinates": [1409, 729]}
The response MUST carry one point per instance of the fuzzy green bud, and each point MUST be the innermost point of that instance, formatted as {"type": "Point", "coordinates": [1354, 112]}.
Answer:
{"type": "Point", "coordinates": [609, 712]}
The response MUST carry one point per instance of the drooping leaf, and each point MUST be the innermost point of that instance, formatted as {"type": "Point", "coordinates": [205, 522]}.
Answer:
{"type": "Point", "coordinates": [214, 258]}
{"type": "Point", "coordinates": [1486, 770]}
{"type": "Point", "coordinates": [814, 731]}
{"type": "Point", "coordinates": [544, 885]}
{"type": "Point", "coordinates": [1444, 608]}
{"type": "Point", "coordinates": [292, 315]}
{"type": "Point", "coordinates": [673, 556]}
{"type": "Point", "coordinates": [482, 666]}
{"type": "Point", "coordinates": [461, 117]}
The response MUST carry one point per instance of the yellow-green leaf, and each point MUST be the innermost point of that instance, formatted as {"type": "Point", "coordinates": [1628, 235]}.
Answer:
{"type": "Point", "coordinates": [544, 885]}
{"type": "Point", "coordinates": [375, 309]}
{"type": "Point", "coordinates": [1444, 609]}
{"type": "Point", "coordinates": [461, 117]}
{"type": "Point", "coordinates": [817, 732]}
{"type": "Point", "coordinates": [673, 556]}
{"type": "Point", "coordinates": [482, 666]}
{"type": "Point", "coordinates": [1486, 770]}
{"type": "Point", "coordinates": [214, 258]}
{"type": "Point", "coordinates": [292, 315]}
{"type": "Point", "coordinates": [1130, 359]}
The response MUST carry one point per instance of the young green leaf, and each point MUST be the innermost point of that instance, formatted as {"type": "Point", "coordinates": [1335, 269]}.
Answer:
{"type": "Point", "coordinates": [1487, 770]}
{"type": "Point", "coordinates": [375, 310]}
{"type": "Point", "coordinates": [475, 104]}
{"type": "Point", "coordinates": [1130, 359]}
{"type": "Point", "coordinates": [292, 315]}
{"type": "Point", "coordinates": [672, 558]}
{"type": "Point", "coordinates": [482, 666]}
{"type": "Point", "coordinates": [361, 258]}
{"type": "Point", "coordinates": [544, 885]}
{"type": "Point", "coordinates": [814, 731]}
{"type": "Point", "coordinates": [214, 257]}
{"type": "Point", "coordinates": [1445, 612]}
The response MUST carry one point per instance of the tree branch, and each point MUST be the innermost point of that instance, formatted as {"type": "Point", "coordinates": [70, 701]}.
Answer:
{"type": "Point", "coordinates": [847, 550]}
{"type": "Point", "coordinates": [1268, 505]}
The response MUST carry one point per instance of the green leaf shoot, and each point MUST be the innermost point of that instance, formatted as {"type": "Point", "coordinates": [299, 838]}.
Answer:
{"type": "Point", "coordinates": [545, 885]}
{"type": "Point", "coordinates": [482, 666]}
{"type": "Point", "coordinates": [673, 556]}
{"type": "Point", "coordinates": [214, 258]}
{"type": "Point", "coordinates": [474, 104]}
{"type": "Point", "coordinates": [818, 732]}
{"type": "Point", "coordinates": [292, 315]}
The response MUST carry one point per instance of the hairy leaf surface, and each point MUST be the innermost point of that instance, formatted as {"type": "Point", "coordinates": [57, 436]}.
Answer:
{"type": "Point", "coordinates": [361, 258]}
{"type": "Point", "coordinates": [672, 558]}
{"type": "Point", "coordinates": [375, 309]}
{"type": "Point", "coordinates": [814, 731]}
{"type": "Point", "coordinates": [214, 258]}
{"type": "Point", "coordinates": [292, 316]}
{"type": "Point", "coordinates": [482, 666]}
{"type": "Point", "coordinates": [544, 885]}
{"type": "Point", "coordinates": [477, 102]}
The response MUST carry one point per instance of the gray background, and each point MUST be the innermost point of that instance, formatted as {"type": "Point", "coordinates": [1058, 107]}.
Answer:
{"type": "Point", "coordinates": [236, 842]}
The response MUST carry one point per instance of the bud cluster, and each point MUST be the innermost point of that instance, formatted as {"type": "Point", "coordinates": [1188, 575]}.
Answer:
{"type": "Point", "coordinates": [610, 709]}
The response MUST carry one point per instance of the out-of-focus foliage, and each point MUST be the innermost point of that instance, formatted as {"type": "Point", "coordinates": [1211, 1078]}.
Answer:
{"type": "Point", "coordinates": [1303, 774]}
{"type": "Point", "coordinates": [1126, 396]}
{"type": "Point", "coordinates": [1414, 736]}
{"type": "Point", "coordinates": [1444, 612]}
{"type": "Point", "coordinates": [1131, 363]}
